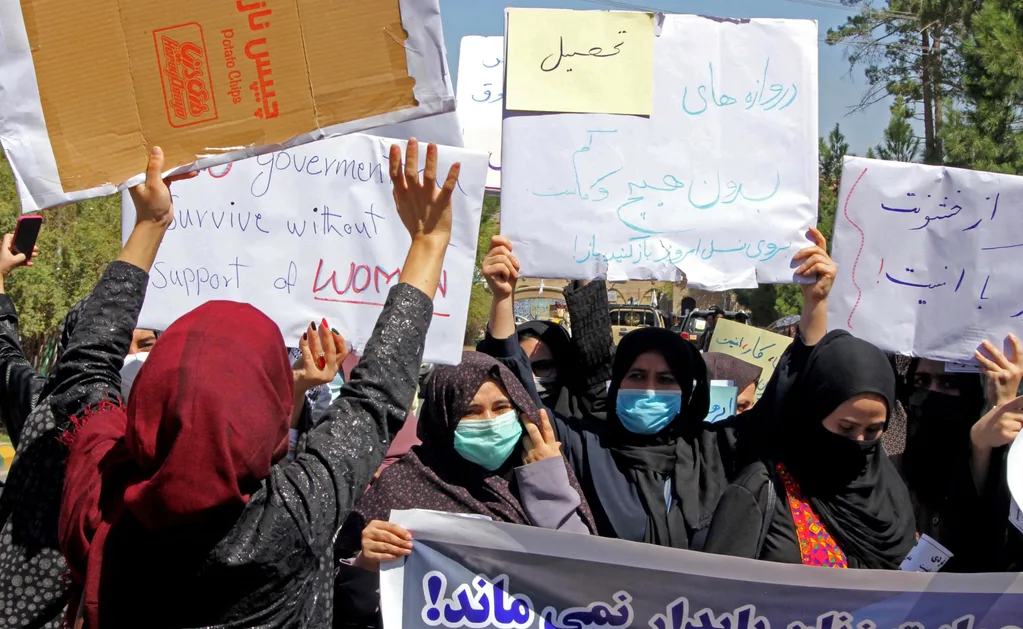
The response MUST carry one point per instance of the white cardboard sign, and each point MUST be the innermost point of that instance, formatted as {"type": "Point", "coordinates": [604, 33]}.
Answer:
{"type": "Point", "coordinates": [719, 183]}
{"type": "Point", "coordinates": [308, 233]}
{"type": "Point", "coordinates": [927, 258]}
{"type": "Point", "coordinates": [480, 98]}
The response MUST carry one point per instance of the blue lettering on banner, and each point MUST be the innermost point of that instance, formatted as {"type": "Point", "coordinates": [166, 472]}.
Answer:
{"type": "Point", "coordinates": [485, 602]}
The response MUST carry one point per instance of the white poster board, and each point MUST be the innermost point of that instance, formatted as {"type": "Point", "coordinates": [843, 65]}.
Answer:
{"type": "Point", "coordinates": [440, 129]}
{"type": "Point", "coordinates": [928, 258]}
{"type": "Point", "coordinates": [480, 98]}
{"type": "Point", "coordinates": [720, 183]}
{"type": "Point", "coordinates": [310, 233]}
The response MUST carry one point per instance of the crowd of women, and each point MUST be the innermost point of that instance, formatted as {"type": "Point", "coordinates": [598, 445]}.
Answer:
{"type": "Point", "coordinates": [211, 490]}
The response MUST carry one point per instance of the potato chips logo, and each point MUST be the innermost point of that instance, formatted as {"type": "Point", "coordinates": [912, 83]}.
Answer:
{"type": "Point", "coordinates": [185, 74]}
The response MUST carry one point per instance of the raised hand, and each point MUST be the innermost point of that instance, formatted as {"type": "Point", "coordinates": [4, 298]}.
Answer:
{"type": "Point", "coordinates": [999, 427]}
{"type": "Point", "coordinates": [501, 268]}
{"type": "Point", "coordinates": [383, 541]}
{"type": "Point", "coordinates": [1003, 373]}
{"type": "Point", "coordinates": [152, 198]}
{"type": "Point", "coordinates": [816, 262]}
{"type": "Point", "coordinates": [323, 352]}
{"type": "Point", "coordinates": [539, 443]}
{"type": "Point", "coordinates": [425, 209]}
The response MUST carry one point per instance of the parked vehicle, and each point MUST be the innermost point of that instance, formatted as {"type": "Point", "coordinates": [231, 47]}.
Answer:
{"type": "Point", "coordinates": [625, 319]}
{"type": "Point", "coordinates": [696, 323]}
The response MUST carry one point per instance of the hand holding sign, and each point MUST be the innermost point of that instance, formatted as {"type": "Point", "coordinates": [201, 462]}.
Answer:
{"type": "Point", "coordinates": [153, 198]}
{"type": "Point", "coordinates": [817, 263]}
{"type": "Point", "coordinates": [501, 268]}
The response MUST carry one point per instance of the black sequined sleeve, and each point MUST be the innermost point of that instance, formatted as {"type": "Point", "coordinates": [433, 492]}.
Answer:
{"type": "Point", "coordinates": [591, 332]}
{"type": "Point", "coordinates": [88, 369]}
{"type": "Point", "coordinates": [20, 385]}
{"type": "Point", "coordinates": [343, 452]}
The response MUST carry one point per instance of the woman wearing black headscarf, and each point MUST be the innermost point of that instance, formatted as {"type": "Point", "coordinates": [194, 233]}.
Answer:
{"type": "Point", "coordinates": [744, 377]}
{"type": "Point", "coordinates": [829, 496]}
{"type": "Point", "coordinates": [570, 373]}
{"type": "Point", "coordinates": [654, 470]}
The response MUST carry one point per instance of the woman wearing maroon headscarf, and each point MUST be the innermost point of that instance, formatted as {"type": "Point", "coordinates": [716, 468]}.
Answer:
{"type": "Point", "coordinates": [175, 513]}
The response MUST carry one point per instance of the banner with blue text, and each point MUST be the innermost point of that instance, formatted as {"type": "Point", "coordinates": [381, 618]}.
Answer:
{"type": "Point", "coordinates": [307, 233]}
{"type": "Point", "coordinates": [471, 573]}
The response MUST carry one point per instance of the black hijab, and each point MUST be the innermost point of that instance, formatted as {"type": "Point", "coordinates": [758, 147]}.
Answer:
{"type": "Point", "coordinates": [676, 452]}
{"type": "Point", "coordinates": [853, 486]}
{"type": "Point", "coordinates": [554, 336]}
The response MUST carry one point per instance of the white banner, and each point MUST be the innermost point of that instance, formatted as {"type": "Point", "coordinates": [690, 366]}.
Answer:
{"type": "Point", "coordinates": [308, 233]}
{"type": "Point", "coordinates": [720, 183]}
{"type": "Point", "coordinates": [928, 258]}
{"type": "Point", "coordinates": [480, 98]}
{"type": "Point", "coordinates": [468, 573]}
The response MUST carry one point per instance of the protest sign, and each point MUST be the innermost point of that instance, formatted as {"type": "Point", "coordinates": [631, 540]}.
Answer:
{"type": "Point", "coordinates": [926, 258]}
{"type": "Point", "coordinates": [209, 82]}
{"type": "Point", "coordinates": [1014, 470]}
{"type": "Point", "coordinates": [480, 98]}
{"type": "Point", "coordinates": [471, 573]}
{"type": "Point", "coordinates": [440, 129]}
{"type": "Point", "coordinates": [307, 233]}
{"type": "Point", "coordinates": [723, 400]}
{"type": "Point", "coordinates": [719, 183]}
{"type": "Point", "coordinates": [599, 62]}
{"type": "Point", "coordinates": [753, 345]}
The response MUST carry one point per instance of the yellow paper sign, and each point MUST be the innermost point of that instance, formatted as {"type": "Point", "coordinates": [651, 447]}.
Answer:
{"type": "Point", "coordinates": [753, 345]}
{"type": "Point", "coordinates": [599, 62]}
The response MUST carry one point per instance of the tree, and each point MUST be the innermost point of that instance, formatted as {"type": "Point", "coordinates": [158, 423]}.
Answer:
{"type": "Point", "coordinates": [479, 300]}
{"type": "Point", "coordinates": [76, 243]}
{"type": "Point", "coordinates": [909, 48]}
{"type": "Point", "coordinates": [900, 144]}
{"type": "Point", "coordinates": [985, 132]}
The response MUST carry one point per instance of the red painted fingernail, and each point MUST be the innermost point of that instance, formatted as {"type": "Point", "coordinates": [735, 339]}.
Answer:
{"type": "Point", "coordinates": [325, 324]}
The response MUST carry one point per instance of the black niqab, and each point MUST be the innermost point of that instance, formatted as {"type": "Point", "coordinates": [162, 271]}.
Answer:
{"type": "Point", "coordinates": [853, 486]}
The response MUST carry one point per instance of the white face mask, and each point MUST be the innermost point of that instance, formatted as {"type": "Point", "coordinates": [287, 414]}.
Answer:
{"type": "Point", "coordinates": [132, 364]}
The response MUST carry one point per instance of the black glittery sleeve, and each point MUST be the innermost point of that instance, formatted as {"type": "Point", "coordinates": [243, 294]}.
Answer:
{"type": "Point", "coordinates": [89, 366]}
{"type": "Point", "coordinates": [20, 384]}
{"type": "Point", "coordinates": [591, 332]}
{"type": "Point", "coordinates": [343, 452]}
{"type": "Point", "coordinates": [284, 540]}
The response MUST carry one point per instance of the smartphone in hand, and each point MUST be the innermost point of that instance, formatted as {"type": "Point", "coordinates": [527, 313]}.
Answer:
{"type": "Point", "coordinates": [25, 235]}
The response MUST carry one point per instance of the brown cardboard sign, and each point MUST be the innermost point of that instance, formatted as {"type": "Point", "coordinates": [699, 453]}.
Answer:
{"type": "Point", "coordinates": [201, 78]}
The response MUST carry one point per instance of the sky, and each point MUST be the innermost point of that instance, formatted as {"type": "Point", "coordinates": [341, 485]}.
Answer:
{"type": "Point", "coordinates": [839, 88]}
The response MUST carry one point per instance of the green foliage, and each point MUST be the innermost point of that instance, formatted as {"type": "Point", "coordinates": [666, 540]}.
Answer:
{"type": "Point", "coordinates": [76, 243]}
{"type": "Point", "coordinates": [985, 132]}
{"type": "Point", "coordinates": [479, 300]}
{"type": "Point", "coordinates": [900, 144]}
{"type": "Point", "coordinates": [909, 48]}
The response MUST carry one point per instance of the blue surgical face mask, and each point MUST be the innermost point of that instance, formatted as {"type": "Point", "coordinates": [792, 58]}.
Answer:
{"type": "Point", "coordinates": [488, 442]}
{"type": "Point", "coordinates": [647, 412]}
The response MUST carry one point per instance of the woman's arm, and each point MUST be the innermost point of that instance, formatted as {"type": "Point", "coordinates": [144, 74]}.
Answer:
{"type": "Point", "coordinates": [813, 323]}
{"type": "Point", "coordinates": [591, 335]}
{"type": "Point", "coordinates": [343, 452]}
{"type": "Point", "coordinates": [20, 385]}
{"type": "Point", "coordinates": [544, 488]}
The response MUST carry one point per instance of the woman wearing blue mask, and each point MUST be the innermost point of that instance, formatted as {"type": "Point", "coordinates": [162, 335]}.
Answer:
{"type": "Point", "coordinates": [654, 471]}
{"type": "Point", "coordinates": [485, 450]}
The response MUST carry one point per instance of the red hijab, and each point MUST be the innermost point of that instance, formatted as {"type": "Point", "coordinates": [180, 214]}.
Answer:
{"type": "Point", "coordinates": [207, 419]}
